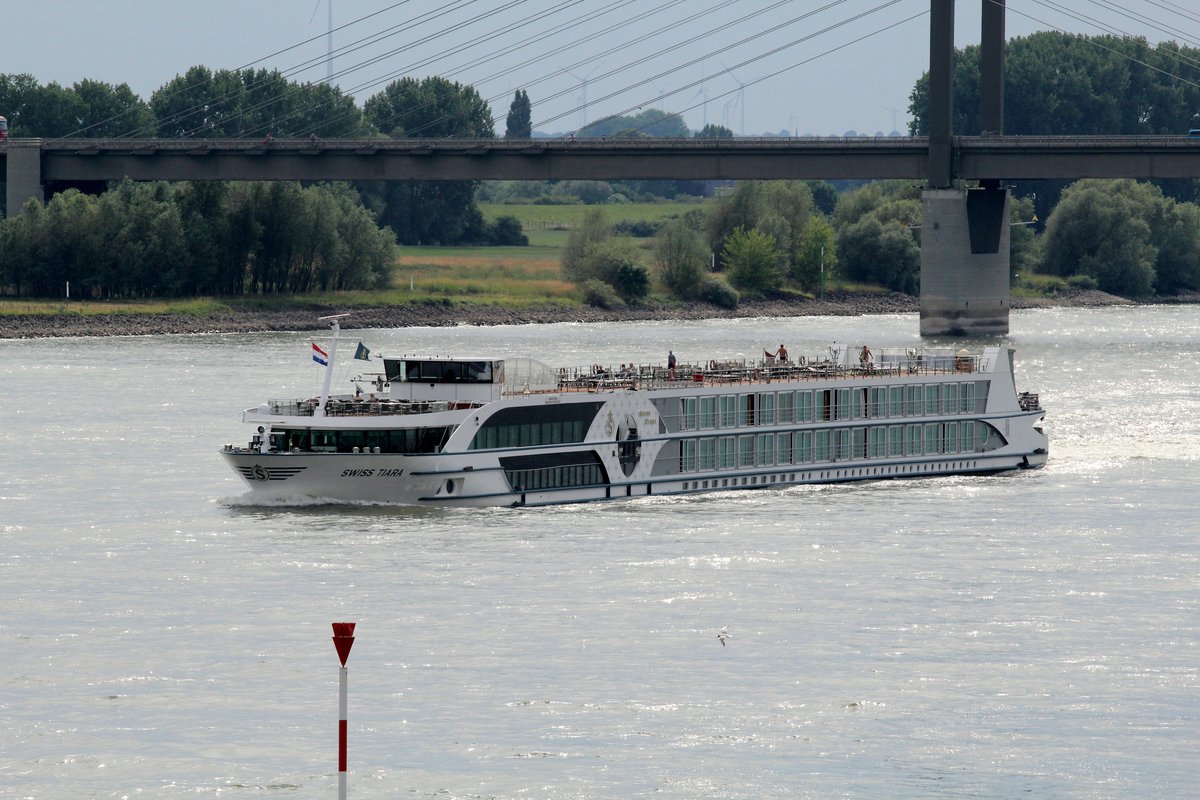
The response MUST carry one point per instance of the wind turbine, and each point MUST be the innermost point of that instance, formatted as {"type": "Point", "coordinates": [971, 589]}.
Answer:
{"type": "Point", "coordinates": [893, 110]}
{"type": "Point", "coordinates": [583, 82]}
{"type": "Point", "coordinates": [661, 88]}
{"type": "Point", "coordinates": [741, 95]}
{"type": "Point", "coordinates": [702, 93]}
{"type": "Point", "coordinates": [328, 37]}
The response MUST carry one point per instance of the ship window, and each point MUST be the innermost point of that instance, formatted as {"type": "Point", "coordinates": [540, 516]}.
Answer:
{"type": "Point", "coordinates": [950, 398]}
{"type": "Point", "coordinates": [912, 442]}
{"type": "Point", "coordinates": [765, 452]}
{"type": "Point", "coordinates": [728, 410]}
{"type": "Point", "coordinates": [746, 409]}
{"type": "Point", "coordinates": [878, 447]}
{"type": "Point", "coordinates": [766, 409]}
{"type": "Point", "coordinates": [877, 401]}
{"type": "Point", "coordinates": [824, 404]}
{"type": "Point", "coordinates": [706, 454]}
{"type": "Point", "coordinates": [932, 402]}
{"type": "Point", "coordinates": [821, 446]}
{"type": "Point", "coordinates": [438, 371]}
{"type": "Point", "coordinates": [804, 406]}
{"type": "Point", "coordinates": [405, 440]}
{"type": "Point", "coordinates": [688, 421]}
{"type": "Point", "coordinates": [783, 448]}
{"type": "Point", "coordinates": [708, 412]}
{"type": "Point", "coordinates": [842, 444]}
{"type": "Point", "coordinates": [896, 401]}
{"type": "Point", "coordinates": [786, 410]}
{"type": "Point", "coordinates": [843, 404]}
{"type": "Point", "coordinates": [804, 447]}
{"type": "Point", "coordinates": [895, 440]}
{"type": "Point", "coordinates": [968, 398]}
{"type": "Point", "coordinates": [526, 426]}
{"type": "Point", "coordinates": [726, 455]}
{"type": "Point", "coordinates": [933, 438]}
{"type": "Point", "coordinates": [745, 451]}
{"type": "Point", "coordinates": [687, 456]}
{"type": "Point", "coordinates": [912, 403]}
{"type": "Point", "coordinates": [553, 471]}
{"type": "Point", "coordinates": [950, 442]}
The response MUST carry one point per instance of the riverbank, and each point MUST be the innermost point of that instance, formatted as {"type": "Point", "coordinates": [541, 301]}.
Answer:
{"type": "Point", "coordinates": [33, 326]}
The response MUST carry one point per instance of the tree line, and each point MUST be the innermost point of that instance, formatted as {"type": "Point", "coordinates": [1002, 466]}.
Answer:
{"type": "Point", "coordinates": [141, 240]}
{"type": "Point", "coordinates": [788, 239]}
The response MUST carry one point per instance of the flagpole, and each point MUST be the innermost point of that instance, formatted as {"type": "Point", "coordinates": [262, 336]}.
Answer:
{"type": "Point", "coordinates": [320, 409]}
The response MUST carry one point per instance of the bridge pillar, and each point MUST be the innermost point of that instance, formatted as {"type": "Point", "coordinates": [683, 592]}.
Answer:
{"type": "Point", "coordinates": [964, 262]}
{"type": "Point", "coordinates": [24, 173]}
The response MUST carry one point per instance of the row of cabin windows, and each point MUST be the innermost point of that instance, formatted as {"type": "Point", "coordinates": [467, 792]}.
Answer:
{"type": "Point", "coordinates": [838, 444]}
{"type": "Point", "coordinates": [859, 402]}
{"type": "Point", "coordinates": [530, 434]}
{"type": "Point", "coordinates": [405, 440]}
{"type": "Point", "coordinates": [561, 477]}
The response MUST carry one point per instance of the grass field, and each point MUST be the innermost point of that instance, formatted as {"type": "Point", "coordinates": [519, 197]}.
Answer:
{"type": "Point", "coordinates": [533, 217]}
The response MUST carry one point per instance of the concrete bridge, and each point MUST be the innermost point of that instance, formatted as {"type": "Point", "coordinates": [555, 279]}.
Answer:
{"type": "Point", "coordinates": [31, 165]}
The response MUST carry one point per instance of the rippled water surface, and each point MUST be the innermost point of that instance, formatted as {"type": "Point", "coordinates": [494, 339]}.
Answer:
{"type": "Point", "coordinates": [1030, 635]}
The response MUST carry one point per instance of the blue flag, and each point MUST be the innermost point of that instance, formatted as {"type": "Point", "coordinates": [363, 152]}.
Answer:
{"type": "Point", "coordinates": [362, 353]}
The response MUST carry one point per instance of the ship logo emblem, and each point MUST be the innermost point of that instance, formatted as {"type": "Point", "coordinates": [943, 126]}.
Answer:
{"type": "Point", "coordinates": [259, 473]}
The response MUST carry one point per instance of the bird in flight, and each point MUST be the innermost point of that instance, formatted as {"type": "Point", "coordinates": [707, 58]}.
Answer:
{"type": "Point", "coordinates": [723, 634]}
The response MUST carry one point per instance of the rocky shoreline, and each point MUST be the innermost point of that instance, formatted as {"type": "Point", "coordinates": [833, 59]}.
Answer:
{"type": "Point", "coordinates": [34, 326]}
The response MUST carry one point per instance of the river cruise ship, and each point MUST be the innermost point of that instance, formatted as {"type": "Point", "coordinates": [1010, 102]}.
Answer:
{"type": "Point", "coordinates": [480, 431]}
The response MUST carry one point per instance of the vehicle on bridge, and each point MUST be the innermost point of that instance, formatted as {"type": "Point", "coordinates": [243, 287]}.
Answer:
{"type": "Point", "coordinates": [3, 129]}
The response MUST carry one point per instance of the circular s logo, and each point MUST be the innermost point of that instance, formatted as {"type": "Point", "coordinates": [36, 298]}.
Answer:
{"type": "Point", "coordinates": [259, 473]}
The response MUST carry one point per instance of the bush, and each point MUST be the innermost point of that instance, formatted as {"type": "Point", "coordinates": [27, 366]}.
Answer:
{"type": "Point", "coordinates": [632, 282]}
{"type": "Point", "coordinates": [599, 294]}
{"type": "Point", "coordinates": [506, 230]}
{"type": "Point", "coordinates": [1082, 282]}
{"type": "Point", "coordinates": [719, 293]}
{"type": "Point", "coordinates": [641, 228]}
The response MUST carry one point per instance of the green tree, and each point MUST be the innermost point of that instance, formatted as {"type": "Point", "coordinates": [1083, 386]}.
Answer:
{"type": "Point", "coordinates": [714, 131]}
{"type": "Point", "coordinates": [1105, 229]}
{"type": "Point", "coordinates": [752, 262]}
{"type": "Point", "coordinates": [816, 253]}
{"type": "Point", "coordinates": [429, 212]}
{"type": "Point", "coordinates": [1178, 265]}
{"type": "Point", "coordinates": [616, 263]}
{"type": "Point", "coordinates": [592, 232]}
{"type": "Point", "coordinates": [519, 123]}
{"type": "Point", "coordinates": [884, 254]}
{"type": "Point", "coordinates": [251, 103]}
{"type": "Point", "coordinates": [742, 208]}
{"type": "Point", "coordinates": [682, 259]}
{"type": "Point", "coordinates": [110, 111]}
{"type": "Point", "coordinates": [650, 123]}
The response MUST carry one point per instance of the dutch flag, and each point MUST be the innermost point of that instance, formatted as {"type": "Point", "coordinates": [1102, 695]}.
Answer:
{"type": "Point", "coordinates": [320, 356]}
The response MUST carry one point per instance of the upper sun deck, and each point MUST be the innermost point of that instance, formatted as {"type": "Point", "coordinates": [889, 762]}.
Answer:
{"type": "Point", "coordinates": [834, 365]}
{"type": "Point", "coordinates": [425, 386]}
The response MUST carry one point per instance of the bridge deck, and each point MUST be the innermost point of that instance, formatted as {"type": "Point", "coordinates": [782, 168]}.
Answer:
{"type": "Point", "coordinates": [999, 157]}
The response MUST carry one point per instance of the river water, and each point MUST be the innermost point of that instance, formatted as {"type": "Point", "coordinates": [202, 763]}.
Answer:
{"type": "Point", "coordinates": [1028, 635]}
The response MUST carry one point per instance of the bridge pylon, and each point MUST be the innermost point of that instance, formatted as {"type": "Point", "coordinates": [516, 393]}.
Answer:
{"type": "Point", "coordinates": [965, 262]}
{"type": "Point", "coordinates": [24, 174]}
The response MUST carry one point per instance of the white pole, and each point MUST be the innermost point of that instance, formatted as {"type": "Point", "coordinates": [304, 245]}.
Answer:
{"type": "Point", "coordinates": [328, 369]}
{"type": "Point", "coordinates": [343, 703]}
{"type": "Point", "coordinates": [68, 290]}
{"type": "Point", "coordinates": [343, 640]}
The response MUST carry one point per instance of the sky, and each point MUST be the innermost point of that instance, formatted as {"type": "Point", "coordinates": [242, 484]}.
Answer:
{"type": "Point", "coordinates": [823, 67]}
